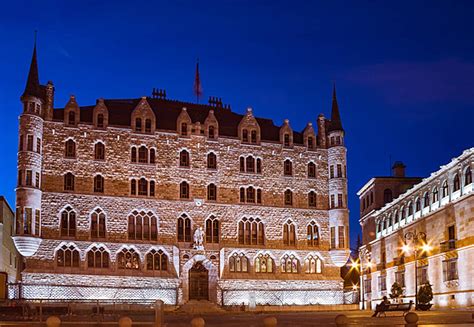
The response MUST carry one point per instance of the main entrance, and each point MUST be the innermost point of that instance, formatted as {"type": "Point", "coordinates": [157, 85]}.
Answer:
{"type": "Point", "coordinates": [198, 282]}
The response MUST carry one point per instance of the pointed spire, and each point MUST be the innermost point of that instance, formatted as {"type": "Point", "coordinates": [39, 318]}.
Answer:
{"type": "Point", "coordinates": [32, 84]}
{"type": "Point", "coordinates": [336, 124]}
{"type": "Point", "coordinates": [197, 83]}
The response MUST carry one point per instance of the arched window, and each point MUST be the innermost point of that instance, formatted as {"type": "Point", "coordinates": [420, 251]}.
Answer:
{"type": "Point", "coordinates": [156, 260]}
{"type": "Point", "coordinates": [245, 135]}
{"type": "Point", "coordinates": [251, 231]}
{"type": "Point", "coordinates": [313, 265]}
{"type": "Point", "coordinates": [100, 120]}
{"type": "Point", "coordinates": [71, 118]}
{"type": "Point", "coordinates": [142, 154]}
{"type": "Point", "coordinates": [312, 199]}
{"type": "Point", "coordinates": [238, 263]}
{"type": "Point", "coordinates": [97, 224]}
{"type": "Point", "coordinates": [456, 183]}
{"type": "Point", "coordinates": [211, 160]}
{"type": "Point", "coordinates": [435, 195]}
{"type": "Point", "coordinates": [99, 151]}
{"type": "Point", "coordinates": [387, 196]}
{"type": "Point", "coordinates": [402, 213]}
{"type": "Point", "coordinates": [70, 149]}
{"type": "Point", "coordinates": [67, 256]}
{"type": "Point", "coordinates": [289, 264]}
{"type": "Point", "coordinates": [98, 184]}
{"type": "Point", "coordinates": [68, 222]}
{"type": "Point", "coordinates": [250, 194]}
{"type": "Point", "coordinates": [445, 189]}
{"type": "Point", "coordinates": [152, 188]}
{"type": "Point", "coordinates": [212, 230]}
{"type": "Point", "coordinates": [184, 190]}
{"type": "Point", "coordinates": [147, 125]}
{"type": "Point", "coordinates": [184, 158]}
{"type": "Point", "coordinates": [288, 198]}
{"type": "Point", "coordinates": [395, 217]}
{"type": "Point", "coordinates": [263, 263]}
{"type": "Point", "coordinates": [242, 194]}
{"type": "Point", "coordinates": [259, 196]}
{"type": "Point", "coordinates": [152, 156]}
{"type": "Point", "coordinates": [128, 259]}
{"type": "Point", "coordinates": [467, 176]}
{"type": "Point", "coordinates": [417, 205]}
{"type": "Point", "coordinates": [250, 164]}
{"type": "Point", "coordinates": [310, 142]}
{"type": "Point", "coordinates": [287, 168]}
{"type": "Point", "coordinates": [210, 132]}
{"type": "Point", "coordinates": [410, 209]}
{"type": "Point", "coordinates": [312, 234]}
{"type": "Point", "coordinates": [69, 182]}
{"type": "Point", "coordinates": [242, 164]}
{"type": "Point", "coordinates": [311, 170]}
{"type": "Point", "coordinates": [286, 140]}
{"type": "Point", "coordinates": [259, 166]}
{"type": "Point", "coordinates": [211, 192]}
{"type": "Point", "coordinates": [253, 135]}
{"type": "Point", "coordinates": [289, 233]}
{"type": "Point", "coordinates": [142, 226]}
{"type": "Point", "coordinates": [426, 200]}
{"type": "Point", "coordinates": [184, 228]}
{"type": "Point", "coordinates": [97, 257]}
{"type": "Point", "coordinates": [138, 124]}
{"type": "Point", "coordinates": [142, 186]}
{"type": "Point", "coordinates": [134, 154]}
{"type": "Point", "coordinates": [184, 129]}
{"type": "Point", "coordinates": [133, 187]}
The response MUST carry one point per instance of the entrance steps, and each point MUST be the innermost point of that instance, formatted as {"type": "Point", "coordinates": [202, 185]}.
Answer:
{"type": "Point", "coordinates": [199, 307]}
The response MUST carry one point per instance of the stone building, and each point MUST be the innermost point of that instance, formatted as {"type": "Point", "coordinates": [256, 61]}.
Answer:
{"type": "Point", "coordinates": [152, 198]}
{"type": "Point", "coordinates": [10, 257]}
{"type": "Point", "coordinates": [425, 235]}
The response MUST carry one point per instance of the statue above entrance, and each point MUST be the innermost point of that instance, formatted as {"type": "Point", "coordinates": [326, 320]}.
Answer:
{"type": "Point", "coordinates": [198, 239]}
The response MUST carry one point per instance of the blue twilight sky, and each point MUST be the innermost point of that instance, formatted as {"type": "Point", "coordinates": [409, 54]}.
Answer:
{"type": "Point", "coordinates": [404, 69]}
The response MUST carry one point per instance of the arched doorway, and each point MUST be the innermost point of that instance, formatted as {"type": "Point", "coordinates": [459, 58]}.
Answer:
{"type": "Point", "coordinates": [198, 282]}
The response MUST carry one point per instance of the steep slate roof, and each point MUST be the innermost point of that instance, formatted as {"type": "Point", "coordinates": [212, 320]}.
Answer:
{"type": "Point", "coordinates": [33, 87]}
{"type": "Point", "coordinates": [167, 111]}
{"type": "Point", "coordinates": [335, 124]}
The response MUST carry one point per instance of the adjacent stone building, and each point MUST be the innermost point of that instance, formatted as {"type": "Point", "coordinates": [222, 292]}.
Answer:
{"type": "Point", "coordinates": [435, 218]}
{"type": "Point", "coordinates": [152, 198]}
{"type": "Point", "coordinates": [10, 257]}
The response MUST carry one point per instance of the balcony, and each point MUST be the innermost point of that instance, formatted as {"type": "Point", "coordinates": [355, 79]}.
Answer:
{"type": "Point", "coordinates": [447, 246]}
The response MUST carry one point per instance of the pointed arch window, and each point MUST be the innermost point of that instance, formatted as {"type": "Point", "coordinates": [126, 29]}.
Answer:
{"type": "Point", "coordinates": [410, 209]}
{"type": "Point", "coordinates": [242, 194]}
{"type": "Point", "coordinates": [242, 164]}
{"type": "Point", "coordinates": [435, 195]}
{"type": "Point", "coordinates": [311, 170]}
{"type": "Point", "coordinates": [147, 125]}
{"type": "Point", "coordinates": [142, 187]}
{"type": "Point", "coordinates": [259, 166]}
{"type": "Point", "coordinates": [142, 226]}
{"type": "Point", "coordinates": [289, 264]}
{"type": "Point", "coordinates": [68, 222]}
{"type": "Point", "coordinates": [212, 230]}
{"type": "Point", "coordinates": [259, 196]}
{"type": "Point", "coordinates": [238, 263]}
{"type": "Point", "coordinates": [288, 168]}
{"type": "Point", "coordinates": [456, 183]}
{"type": "Point", "coordinates": [288, 197]}
{"type": "Point", "coordinates": [251, 231]}
{"type": "Point", "coordinates": [128, 259]}
{"type": "Point", "coordinates": [97, 224]}
{"type": "Point", "coordinates": [98, 184]}
{"type": "Point", "coordinates": [67, 256]}
{"type": "Point", "coordinates": [70, 149]}
{"type": "Point", "coordinates": [99, 151]}
{"type": "Point", "coordinates": [152, 156]}
{"type": "Point", "coordinates": [157, 260]}
{"type": "Point", "coordinates": [152, 188]}
{"type": "Point", "coordinates": [211, 160]}
{"type": "Point", "coordinates": [184, 158]}
{"type": "Point", "coordinates": [245, 136]}
{"type": "Point", "coordinates": [184, 190]}
{"type": "Point", "coordinates": [402, 213]}
{"type": "Point", "coordinates": [184, 228]}
{"type": "Point", "coordinates": [426, 200]}
{"type": "Point", "coordinates": [142, 154]}
{"type": "Point", "coordinates": [250, 164]}
{"type": "Point", "coordinates": [312, 199]}
{"type": "Point", "coordinates": [69, 182]}
{"type": "Point", "coordinates": [289, 233]}
{"type": "Point", "coordinates": [417, 205]}
{"type": "Point", "coordinates": [445, 189]}
{"type": "Point", "coordinates": [312, 234]}
{"type": "Point", "coordinates": [250, 194]}
{"type": "Point", "coordinates": [263, 263]}
{"type": "Point", "coordinates": [98, 257]}
{"type": "Point", "coordinates": [133, 155]}
{"type": "Point", "coordinates": [138, 124]}
{"type": "Point", "coordinates": [467, 176]}
{"type": "Point", "coordinates": [313, 265]}
{"type": "Point", "coordinates": [212, 192]}
{"type": "Point", "coordinates": [133, 187]}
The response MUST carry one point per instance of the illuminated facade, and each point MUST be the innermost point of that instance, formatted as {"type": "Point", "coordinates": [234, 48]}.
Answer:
{"type": "Point", "coordinates": [152, 198]}
{"type": "Point", "coordinates": [440, 209]}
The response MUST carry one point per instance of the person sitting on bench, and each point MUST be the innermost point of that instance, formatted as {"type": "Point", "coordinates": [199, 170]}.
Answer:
{"type": "Point", "coordinates": [380, 307]}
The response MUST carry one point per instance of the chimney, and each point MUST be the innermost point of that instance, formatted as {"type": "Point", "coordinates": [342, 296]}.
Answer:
{"type": "Point", "coordinates": [398, 169]}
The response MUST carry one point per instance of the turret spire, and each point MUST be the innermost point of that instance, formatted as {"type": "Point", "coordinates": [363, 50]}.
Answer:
{"type": "Point", "coordinates": [32, 84]}
{"type": "Point", "coordinates": [336, 124]}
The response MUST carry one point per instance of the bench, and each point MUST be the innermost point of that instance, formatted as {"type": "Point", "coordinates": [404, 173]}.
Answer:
{"type": "Point", "coordinates": [403, 307]}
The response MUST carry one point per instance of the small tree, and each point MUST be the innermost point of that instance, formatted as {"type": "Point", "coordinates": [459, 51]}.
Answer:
{"type": "Point", "coordinates": [396, 291]}
{"type": "Point", "coordinates": [425, 294]}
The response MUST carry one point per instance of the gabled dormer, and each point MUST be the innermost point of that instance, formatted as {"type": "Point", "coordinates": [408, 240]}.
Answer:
{"type": "Point", "coordinates": [100, 115]}
{"type": "Point", "coordinates": [248, 129]}
{"type": "Point", "coordinates": [143, 119]}
{"type": "Point", "coordinates": [211, 126]}
{"type": "Point", "coordinates": [184, 123]}
{"type": "Point", "coordinates": [309, 137]}
{"type": "Point", "coordinates": [286, 134]}
{"type": "Point", "coordinates": [71, 112]}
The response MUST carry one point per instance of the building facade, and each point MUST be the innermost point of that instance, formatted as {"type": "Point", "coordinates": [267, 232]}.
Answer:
{"type": "Point", "coordinates": [152, 198]}
{"type": "Point", "coordinates": [10, 257]}
{"type": "Point", "coordinates": [435, 218]}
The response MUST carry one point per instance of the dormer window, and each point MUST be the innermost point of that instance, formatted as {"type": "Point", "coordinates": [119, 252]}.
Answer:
{"type": "Point", "coordinates": [254, 136]}
{"type": "Point", "coordinates": [72, 118]}
{"type": "Point", "coordinates": [184, 129]}
{"type": "Point", "coordinates": [211, 132]}
{"type": "Point", "coordinates": [100, 120]}
{"type": "Point", "coordinates": [310, 142]}
{"type": "Point", "coordinates": [245, 136]}
{"type": "Point", "coordinates": [287, 140]}
{"type": "Point", "coordinates": [147, 125]}
{"type": "Point", "coordinates": [138, 125]}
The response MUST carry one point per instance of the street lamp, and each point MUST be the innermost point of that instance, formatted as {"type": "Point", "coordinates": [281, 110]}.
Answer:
{"type": "Point", "coordinates": [417, 238]}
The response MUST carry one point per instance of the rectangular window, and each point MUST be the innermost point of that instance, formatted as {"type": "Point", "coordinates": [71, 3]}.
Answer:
{"type": "Point", "coordinates": [382, 283]}
{"type": "Point", "coordinates": [422, 275]}
{"type": "Point", "coordinates": [20, 146]}
{"type": "Point", "coordinates": [20, 177]}
{"type": "Point", "coordinates": [450, 269]}
{"type": "Point", "coordinates": [333, 201]}
{"type": "Point", "coordinates": [27, 221]}
{"type": "Point", "coordinates": [331, 171]}
{"type": "Point", "coordinates": [29, 143]}
{"type": "Point", "coordinates": [38, 145]}
{"type": "Point", "coordinates": [333, 237]}
{"type": "Point", "coordinates": [37, 222]}
{"type": "Point", "coordinates": [341, 236]}
{"type": "Point", "coordinates": [400, 278]}
{"type": "Point", "coordinates": [29, 178]}
{"type": "Point", "coordinates": [368, 285]}
{"type": "Point", "coordinates": [340, 204]}
{"type": "Point", "coordinates": [37, 180]}
{"type": "Point", "coordinates": [339, 170]}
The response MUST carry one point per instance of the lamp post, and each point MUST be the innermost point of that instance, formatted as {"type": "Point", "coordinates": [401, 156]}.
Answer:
{"type": "Point", "coordinates": [416, 238]}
